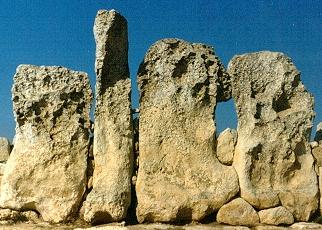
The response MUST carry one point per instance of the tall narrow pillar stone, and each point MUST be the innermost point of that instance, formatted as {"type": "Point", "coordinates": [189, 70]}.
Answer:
{"type": "Point", "coordinates": [111, 194]}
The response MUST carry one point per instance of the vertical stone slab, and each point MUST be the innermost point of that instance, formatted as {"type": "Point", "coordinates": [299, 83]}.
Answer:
{"type": "Point", "coordinates": [111, 194]}
{"type": "Point", "coordinates": [179, 176]}
{"type": "Point", "coordinates": [275, 112]}
{"type": "Point", "coordinates": [46, 171]}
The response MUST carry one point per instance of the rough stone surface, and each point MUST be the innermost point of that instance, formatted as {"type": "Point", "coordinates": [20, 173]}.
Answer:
{"type": "Point", "coordinates": [4, 149]}
{"type": "Point", "coordinates": [8, 214]}
{"type": "Point", "coordinates": [15, 216]}
{"type": "Point", "coordinates": [226, 146]}
{"type": "Point", "coordinates": [238, 212]}
{"type": "Point", "coordinates": [318, 135]}
{"type": "Point", "coordinates": [111, 194]}
{"type": "Point", "coordinates": [179, 176]}
{"type": "Point", "coordinates": [46, 171]}
{"type": "Point", "coordinates": [270, 227]}
{"type": "Point", "coordinates": [320, 188]}
{"type": "Point", "coordinates": [317, 154]}
{"type": "Point", "coordinates": [306, 225]}
{"type": "Point", "coordinates": [276, 216]}
{"type": "Point", "coordinates": [2, 167]}
{"type": "Point", "coordinates": [275, 113]}
{"type": "Point", "coordinates": [157, 226]}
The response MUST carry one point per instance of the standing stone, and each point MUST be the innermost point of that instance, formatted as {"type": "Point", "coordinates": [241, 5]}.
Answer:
{"type": "Point", "coordinates": [111, 194]}
{"type": "Point", "coordinates": [238, 212]}
{"type": "Point", "coordinates": [275, 112]}
{"type": "Point", "coordinates": [179, 176]}
{"type": "Point", "coordinates": [276, 216]}
{"type": "Point", "coordinates": [226, 146]}
{"type": "Point", "coordinates": [46, 171]}
{"type": "Point", "coordinates": [4, 149]}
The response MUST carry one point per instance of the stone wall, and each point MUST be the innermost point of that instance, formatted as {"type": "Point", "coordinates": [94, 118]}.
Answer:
{"type": "Point", "coordinates": [172, 168]}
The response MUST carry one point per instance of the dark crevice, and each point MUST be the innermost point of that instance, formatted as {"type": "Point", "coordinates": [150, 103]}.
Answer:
{"type": "Point", "coordinates": [101, 218]}
{"type": "Point", "coordinates": [259, 109]}
{"type": "Point", "coordinates": [181, 67]}
{"type": "Point", "coordinates": [281, 103]}
{"type": "Point", "coordinates": [131, 218]}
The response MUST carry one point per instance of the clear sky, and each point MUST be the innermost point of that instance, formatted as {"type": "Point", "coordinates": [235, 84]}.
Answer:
{"type": "Point", "coordinates": [49, 32]}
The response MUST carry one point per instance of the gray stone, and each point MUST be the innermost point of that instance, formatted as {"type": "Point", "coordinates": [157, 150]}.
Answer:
{"type": "Point", "coordinates": [318, 135]}
{"type": "Point", "coordinates": [46, 171]}
{"type": "Point", "coordinates": [111, 194]}
{"type": "Point", "coordinates": [275, 113]}
{"type": "Point", "coordinates": [179, 176]}
{"type": "Point", "coordinates": [4, 149]}
{"type": "Point", "coordinates": [238, 212]}
{"type": "Point", "coordinates": [226, 146]}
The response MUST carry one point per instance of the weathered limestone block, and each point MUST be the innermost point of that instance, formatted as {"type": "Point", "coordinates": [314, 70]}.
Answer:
{"type": "Point", "coordinates": [179, 176]}
{"type": "Point", "coordinates": [4, 149]}
{"type": "Point", "coordinates": [8, 214]}
{"type": "Point", "coordinates": [276, 216]}
{"type": "Point", "coordinates": [111, 194]}
{"type": "Point", "coordinates": [275, 112]}
{"type": "Point", "coordinates": [13, 216]}
{"type": "Point", "coordinates": [46, 171]}
{"type": "Point", "coordinates": [317, 154]}
{"type": "Point", "coordinates": [226, 146]}
{"type": "Point", "coordinates": [318, 135]}
{"type": "Point", "coordinates": [269, 227]}
{"type": "Point", "coordinates": [306, 225]}
{"type": "Point", "coordinates": [238, 212]}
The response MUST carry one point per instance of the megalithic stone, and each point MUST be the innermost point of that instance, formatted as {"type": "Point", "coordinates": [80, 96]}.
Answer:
{"type": "Point", "coordinates": [111, 194]}
{"type": "Point", "coordinates": [275, 113]}
{"type": "Point", "coordinates": [179, 176]}
{"type": "Point", "coordinates": [46, 171]}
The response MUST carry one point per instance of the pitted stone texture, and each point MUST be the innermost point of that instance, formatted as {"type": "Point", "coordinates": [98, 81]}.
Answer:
{"type": "Point", "coordinates": [4, 149]}
{"type": "Point", "coordinates": [275, 113]}
{"type": "Point", "coordinates": [46, 171]}
{"type": "Point", "coordinates": [276, 216]}
{"type": "Point", "coordinates": [226, 146]}
{"type": "Point", "coordinates": [179, 176]}
{"type": "Point", "coordinates": [111, 194]}
{"type": "Point", "coordinates": [238, 212]}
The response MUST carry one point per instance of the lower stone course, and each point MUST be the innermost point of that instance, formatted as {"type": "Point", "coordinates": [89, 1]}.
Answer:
{"type": "Point", "coordinates": [121, 226]}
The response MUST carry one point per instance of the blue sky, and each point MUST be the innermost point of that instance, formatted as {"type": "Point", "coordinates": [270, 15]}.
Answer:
{"type": "Point", "coordinates": [60, 33]}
